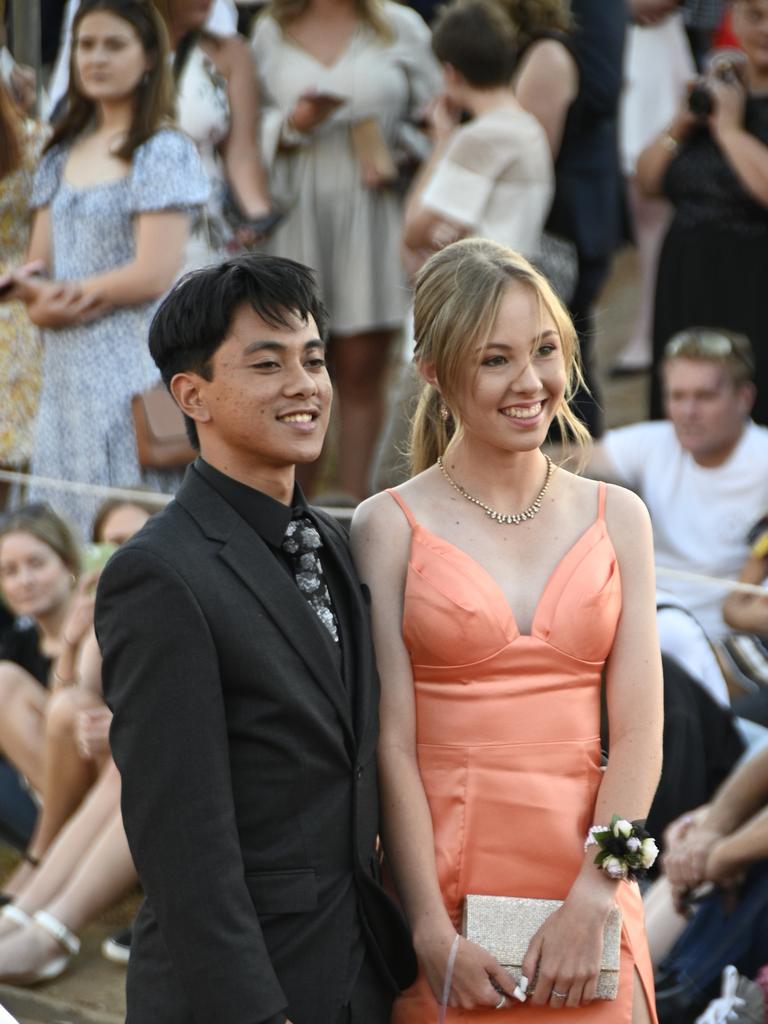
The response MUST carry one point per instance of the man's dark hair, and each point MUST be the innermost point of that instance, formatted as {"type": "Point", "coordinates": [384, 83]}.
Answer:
{"type": "Point", "coordinates": [195, 317]}
{"type": "Point", "coordinates": [478, 39]}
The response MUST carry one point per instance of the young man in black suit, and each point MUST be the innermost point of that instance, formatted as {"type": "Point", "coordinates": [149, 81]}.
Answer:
{"type": "Point", "coordinates": [239, 666]}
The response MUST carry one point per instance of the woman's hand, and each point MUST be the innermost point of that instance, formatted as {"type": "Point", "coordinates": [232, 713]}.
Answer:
{"type": "Point", "coordinates": [563, 960]}
{"type": "Point", "coordinates": [473, 971]}
{"type": "Point", "coordinates": [92, 732]}
{"type": "Point", "coordinates": [59, 304]}
{"type": "Point", "coordinates": [79, 620]}
{"type": "Point", "coordinates": [311, 110]}
{"type": "Point", "coordinates": [730, 98]}
{"type": "Point", "coordinates": [12, 282]}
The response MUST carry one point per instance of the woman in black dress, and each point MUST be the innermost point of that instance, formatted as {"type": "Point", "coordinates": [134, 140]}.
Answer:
{"type": "Point", "coordinates": [714, 169]}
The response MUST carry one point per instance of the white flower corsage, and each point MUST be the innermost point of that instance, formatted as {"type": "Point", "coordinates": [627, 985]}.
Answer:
{"type": "Point", "coordinates": [626, 850]}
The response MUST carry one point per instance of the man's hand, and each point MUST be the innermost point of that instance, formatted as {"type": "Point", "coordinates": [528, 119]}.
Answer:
{"type": "Point", "coordinates": [688, 843]}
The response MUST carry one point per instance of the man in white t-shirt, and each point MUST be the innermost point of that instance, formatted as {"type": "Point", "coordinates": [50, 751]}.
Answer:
{"type": "Point", "coordinates": [703, 473]}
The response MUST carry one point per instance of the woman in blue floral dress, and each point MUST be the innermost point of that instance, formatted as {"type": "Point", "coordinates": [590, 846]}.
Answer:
{"type": "Point", "coordinates": [114, 195]}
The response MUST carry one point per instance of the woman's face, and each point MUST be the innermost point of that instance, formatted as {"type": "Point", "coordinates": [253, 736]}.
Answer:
{"type": "Point", "coordinates": [121, 524]}
{"type": "Point", "coordinates": [750, 26]}
{"type": "Point", "coordinates": [34, 578]}
{"type": "Point", "coordinates": [188, 15]}
{"type": "Point", "coordinates": [519, 385]}
{"type": "Point", "coordinates": [109, 57]}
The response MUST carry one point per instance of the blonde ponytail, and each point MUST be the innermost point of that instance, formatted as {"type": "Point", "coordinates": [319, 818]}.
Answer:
{"type": "Point", "coordinates": [431, 430]}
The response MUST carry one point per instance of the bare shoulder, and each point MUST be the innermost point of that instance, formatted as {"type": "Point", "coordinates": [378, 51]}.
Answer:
{"type": "Point", "coordinates": [381, 529]}
{"type": "Point", "coordinates": [625, 513]}
{"type": "Point", "coordinates": [629, 525]}
{"type": "Point", "coordinates": [550, 57]}
{"type": "Point", "coordinates": [376, 513]}
{"type": "Point", "coordinates": [229, 53]}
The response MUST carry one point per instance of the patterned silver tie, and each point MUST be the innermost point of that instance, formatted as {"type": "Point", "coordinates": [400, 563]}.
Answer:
{"type": "Point", "coordinates": [302, 544]}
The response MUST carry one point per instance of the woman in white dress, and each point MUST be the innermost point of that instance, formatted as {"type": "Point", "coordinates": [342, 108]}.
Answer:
{"type": "Point", "coordinates": [217, 105]}
{"type": "Point", "coordinates": [328, 67]}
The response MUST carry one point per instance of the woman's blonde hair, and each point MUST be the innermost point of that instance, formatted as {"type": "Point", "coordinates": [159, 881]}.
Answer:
{"type": "Point", "coordinates": [370, 12]}
{"type": "Point", "coordinates": [458, 295]}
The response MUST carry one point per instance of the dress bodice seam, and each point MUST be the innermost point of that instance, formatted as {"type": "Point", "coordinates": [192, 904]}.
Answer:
{"type": "Point", "coordinates": [422, 535]}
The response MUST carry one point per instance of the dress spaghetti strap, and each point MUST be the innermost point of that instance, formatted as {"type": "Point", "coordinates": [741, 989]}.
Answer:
{"type": "Point", "coordinates": [601, 489]}
{"type": "Point", "coordinates": [406, 511]}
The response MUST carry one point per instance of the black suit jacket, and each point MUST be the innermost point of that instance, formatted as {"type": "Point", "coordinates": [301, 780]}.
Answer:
{"type": "Point", "coordinates": [249, 774]}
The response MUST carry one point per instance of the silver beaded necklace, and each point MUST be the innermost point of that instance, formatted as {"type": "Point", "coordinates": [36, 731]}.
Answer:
{"type": "Point", "coordinates": [509, 518]}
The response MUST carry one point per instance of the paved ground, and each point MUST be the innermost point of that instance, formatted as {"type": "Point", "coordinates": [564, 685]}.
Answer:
{"type": "Point", "coordinates": [91, 992]}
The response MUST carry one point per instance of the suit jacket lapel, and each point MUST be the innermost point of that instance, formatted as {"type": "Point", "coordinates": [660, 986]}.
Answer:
{"type": "Point", "coordinates": [362, 678]}
{"type": "Point", "coordinates": [251, 560]}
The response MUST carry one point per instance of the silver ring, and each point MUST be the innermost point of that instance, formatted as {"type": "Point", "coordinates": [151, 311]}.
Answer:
{"type": "Point", "coordinates": [502, 1002]}
{"type": "Point", "coordinates": [560, 995]}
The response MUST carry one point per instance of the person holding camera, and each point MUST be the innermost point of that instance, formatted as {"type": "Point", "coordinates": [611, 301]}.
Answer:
{"type": "Point", "coordinates": [712, 163]}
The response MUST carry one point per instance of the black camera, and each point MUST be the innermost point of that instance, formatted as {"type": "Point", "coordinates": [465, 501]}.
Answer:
{"type": "Point", "coordinates": [727, 68]}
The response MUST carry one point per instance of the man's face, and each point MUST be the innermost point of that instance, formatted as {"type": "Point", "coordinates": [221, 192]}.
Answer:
{"type": "Point", "coordinates": [269, 399]}
{"type": "Point", "coordinates": [705, 407]}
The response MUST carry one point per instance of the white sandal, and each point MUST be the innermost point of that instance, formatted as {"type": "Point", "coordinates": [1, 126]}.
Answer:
{"type": "Point", "coordinates": [13, 913]}
{"type": "Point", "coordinates": [58, 931]}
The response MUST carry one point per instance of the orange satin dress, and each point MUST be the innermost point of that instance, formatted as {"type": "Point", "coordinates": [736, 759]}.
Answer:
{"type": "Point", "coordinates": [508, 734]}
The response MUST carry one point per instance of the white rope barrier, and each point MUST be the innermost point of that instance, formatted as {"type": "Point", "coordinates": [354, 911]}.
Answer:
{"type": "Point", "coordinates": [711, 581]}
{"type": "Point", "coordinates": [158, 498]}
{"type": "Point", "coordinates": [95, 490]}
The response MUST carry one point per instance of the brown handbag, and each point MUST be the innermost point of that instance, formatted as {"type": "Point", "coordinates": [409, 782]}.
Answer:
{"type": "Point", "coordinates": [161, 438]}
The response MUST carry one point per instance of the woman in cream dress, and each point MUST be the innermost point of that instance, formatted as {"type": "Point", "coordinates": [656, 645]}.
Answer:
{"type": "Point", "coordinates": [327, 66]}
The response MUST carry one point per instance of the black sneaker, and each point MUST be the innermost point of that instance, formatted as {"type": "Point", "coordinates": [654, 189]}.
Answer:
{"type": "Point", "coordinates": [117, 948]}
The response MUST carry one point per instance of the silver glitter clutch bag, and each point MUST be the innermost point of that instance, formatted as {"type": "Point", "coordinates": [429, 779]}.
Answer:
{"type": "Point", "coordinates": [505, 925]}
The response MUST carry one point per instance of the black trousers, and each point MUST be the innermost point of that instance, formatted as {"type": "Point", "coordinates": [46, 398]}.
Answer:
{"type": "Point", "coordinates": [371, 1000]}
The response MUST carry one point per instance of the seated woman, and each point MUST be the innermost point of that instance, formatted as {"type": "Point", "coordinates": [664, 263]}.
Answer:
{"type": "Point", "coordinates": [493, 176]}
{"type": "Point", "coordinates": [84, 860]}
{"type": "Point", "coordinates": [39, 565]}
{"type": "Point", "coordinates": [75, 742]}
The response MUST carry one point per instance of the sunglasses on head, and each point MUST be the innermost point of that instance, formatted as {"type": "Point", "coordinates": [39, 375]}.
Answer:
{"type": "Point", "coordinates": [707, 344]}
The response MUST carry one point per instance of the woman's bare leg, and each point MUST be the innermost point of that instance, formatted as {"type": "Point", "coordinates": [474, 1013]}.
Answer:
{"type": "Point", "coordinates": [640, 1012]}
{"type": "Point", "coordinates": [663, 924]}
{"type": "Point", "coordinates": [105, 874]}
{"type": "Point", "coordinates": [360, 363]}
{"type": "Point", "coordinates": [71, 847]}
{"type": "Point", "coordinates": [22, 722]}
{"type": "Point", "coordinates": [67, 777]}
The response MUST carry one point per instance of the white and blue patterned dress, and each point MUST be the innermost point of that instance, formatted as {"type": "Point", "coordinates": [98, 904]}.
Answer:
{"type": "Point", "coordinates": [84, 430]}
